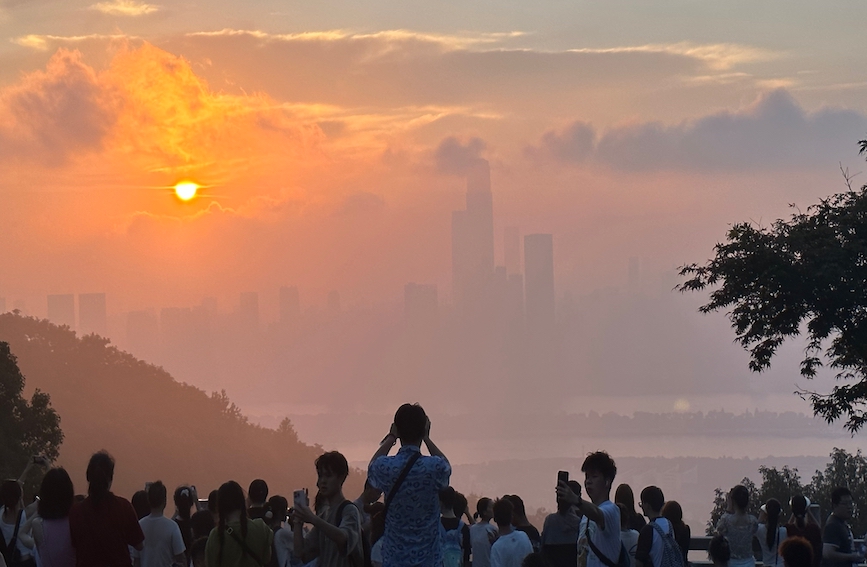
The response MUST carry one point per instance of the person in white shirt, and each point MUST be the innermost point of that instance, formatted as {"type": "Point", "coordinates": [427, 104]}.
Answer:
{"type": "Point", "coordinates": [600, 526]}
{"type": "Point", "coordinates": [163, 543]}
{"type": "Point", "coordinates": [512, 546]}
{"type": "Point", "coordinates": [483, 534]}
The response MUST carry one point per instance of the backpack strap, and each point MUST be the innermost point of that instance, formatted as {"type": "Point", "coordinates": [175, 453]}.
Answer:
{"type": "Point", "coordinates": [397, 484]}
{"type": "Point", "coordinates": [602, 557]}
{"type": "Point", "coordinates": [246, 548]}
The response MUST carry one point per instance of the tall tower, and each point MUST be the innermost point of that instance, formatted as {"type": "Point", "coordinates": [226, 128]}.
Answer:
{"type": "Point", "coordinates": [61, 310]}
{"type": "Point", "coordinates": [473, 240]}
{"type": "Point", "coordinates": [91, 313]}
{"type": "Point", "coordinates": [539, 282]}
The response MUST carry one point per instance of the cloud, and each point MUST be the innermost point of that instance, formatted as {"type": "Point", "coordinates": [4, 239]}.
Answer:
{"type": "Point", "coordinates": [361, 202]}
{"type": "Point", "coordinates": [125, 8]}
{"type": "Point", "coordinates": [453, 156]}
{"type": "Point", "coordinates": [774, 132]}
{"type": "Point", "coordinates": [55, 113]}
{"type": "Point", "coordinates": [717, 56]}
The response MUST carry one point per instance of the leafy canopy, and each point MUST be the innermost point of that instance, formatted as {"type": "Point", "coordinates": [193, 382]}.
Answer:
{"type": "Point", "coordinates": [807, 272]}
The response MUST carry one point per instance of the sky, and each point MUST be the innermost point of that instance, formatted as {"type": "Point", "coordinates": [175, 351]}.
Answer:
{"type": "Point", "coordinates": [331, 141]}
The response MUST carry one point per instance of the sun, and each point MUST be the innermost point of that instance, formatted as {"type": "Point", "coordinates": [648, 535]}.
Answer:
{"type": "Point", "coordinates": [186, 190]}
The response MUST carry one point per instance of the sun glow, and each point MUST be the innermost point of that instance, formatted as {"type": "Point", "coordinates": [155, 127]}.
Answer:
{"type": "Point", "coordinates": [186, 190]}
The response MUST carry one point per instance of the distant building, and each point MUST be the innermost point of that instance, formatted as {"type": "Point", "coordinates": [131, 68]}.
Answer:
{"type": "Point", "coordinates": [473, 241]}
{"type": "Point", "coordinates": [92, 313]}
{"type": "Point", "coordinates": [290, 304]}
{"type": "Point", "coordinates": [512, 250]}
{"type": "Point", "coordinates": [143, 335]}
{"type": "Point", "coordinates": [248, 311]}
{"type": "Point", "coordinates": [420, 305]}
{"type": "Point", "coordinates": [539, 282]}
{"type": "Point", "coordinates": [61, 309]}
{"type": "Point", "coordinates": [334, 301]}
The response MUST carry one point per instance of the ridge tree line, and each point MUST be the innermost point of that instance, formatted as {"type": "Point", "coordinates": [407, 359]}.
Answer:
{"type": "Point", "coordinates": [844, 469]}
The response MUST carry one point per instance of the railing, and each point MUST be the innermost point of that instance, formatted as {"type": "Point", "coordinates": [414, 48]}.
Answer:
{"type": "Point", "coordinates": [698, 550]}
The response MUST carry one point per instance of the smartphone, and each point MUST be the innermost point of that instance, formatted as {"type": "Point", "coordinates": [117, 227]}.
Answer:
{"type": "Point", "coordinates": [299, 497]}
{"type": "Point", "coordinates": [562, 476]}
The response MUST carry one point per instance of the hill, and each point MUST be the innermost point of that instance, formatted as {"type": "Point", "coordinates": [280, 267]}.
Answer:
{"type": "Point", "coordinates": [154, 426]}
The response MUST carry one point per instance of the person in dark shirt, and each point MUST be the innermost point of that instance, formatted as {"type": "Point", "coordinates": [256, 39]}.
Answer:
{"type": "Point", "coordinates": [522, 524]}
{"type": "Point", "coordinates": [103, 527]}
{"type": "Point", "coordinates": [838, 547]}
{"type": "Point", "coordinates": [560, 533]}
{"type": "Point", "coordinates": [257, 496]}
{"type": "Point", "coordinates": [803, 524]}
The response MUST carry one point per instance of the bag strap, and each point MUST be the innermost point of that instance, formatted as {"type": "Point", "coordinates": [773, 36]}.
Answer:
{"type": "Point", "coordinates": [246, 548]}
{"type": "Point", "coordinates": [602, 557]}
{"type": "Point", "coordinates": [14, 541]}
{"type": "Point", "coordinates": [413, 458]}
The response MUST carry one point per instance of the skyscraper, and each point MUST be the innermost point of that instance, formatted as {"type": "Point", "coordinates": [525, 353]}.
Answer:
{"type": "Point", "coordinates": [473, 241]}
{"type": "Point", "coordinates": [539, 282]}
{"type": "Point", "coordinates": [61, 309]}
{"type": "Point", "coordinates": [92, 314]}
{"type": "Point", "coordinates": [290, 304]}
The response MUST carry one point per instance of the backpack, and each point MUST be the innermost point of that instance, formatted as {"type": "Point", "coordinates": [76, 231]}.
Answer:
{"type": "Point", "coordinates": [357, 559]}
{"type": "Point", "coordinates": [671, 554]}
{"type": "Point", "coordinates": [453, 549]}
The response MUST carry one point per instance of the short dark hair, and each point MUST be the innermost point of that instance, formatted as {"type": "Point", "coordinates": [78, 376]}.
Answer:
{"type": "Point", "coordinates": [140, 504]}
{"type": "Point", "coordinates": [796, 552]}
{"type": "Point", "coordinates": [10, 493]}
{"type": "Point", "coordinates": [333, 462]}
{"type": "Point", "coordinates": [56, 495]}
{"type": "Point", "coordinates": [503, 511]}
{"type": "Point", "coordinates": [719, 550]}
{"type": "Point", "coordinates": [279, 508]}
{"type": "Point", "coordinates": [740, 496]}
{"type": "Point", "coordinates": [653, 497]}
{"type": "Point", "coordinates": [447, 497]}
{"type": "Point", "coordinates": [258, 490]}
{"type": "Point", "coordinates": [460, 505]}
{"type": "Point", "coordinates": [482, 505]}
{"type": "Point", "coordinates": [201, 524]}
{"type": "Point", "coordinates": [839, 493]}
{"type": "Point", "coordinates": [157, 494]}
{"type": "Point", "coordinates": [410, 421]}
{"type": "Point", "coordinates": [575, 486]}
{"type": "Point", "coordinates": [100, 473]}
{"type": "Point", "coordinates": [600, 462]}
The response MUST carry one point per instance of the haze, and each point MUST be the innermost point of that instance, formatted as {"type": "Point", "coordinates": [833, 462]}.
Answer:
{"type": "Point", "coordinates": [333, 142]}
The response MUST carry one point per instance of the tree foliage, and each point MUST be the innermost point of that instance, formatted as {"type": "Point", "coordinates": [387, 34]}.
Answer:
{"type": "Point", "coordinates": [26, 428]}
{"type": "Point", "coordinates": [844, 469]}
{"type": "Point", "coordinates": [805, 273]}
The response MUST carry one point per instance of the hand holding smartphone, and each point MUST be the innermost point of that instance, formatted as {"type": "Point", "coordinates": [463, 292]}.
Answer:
{"type": "Point", "coordinates": [299, 498]}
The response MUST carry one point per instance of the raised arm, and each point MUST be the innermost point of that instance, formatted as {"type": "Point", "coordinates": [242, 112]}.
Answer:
{"type": "Point", "coordinates": [587, 508]}
{"type": "Point", "coordinates": [431, 447]}
{"type": "Point", "coordinates": [385, 445]}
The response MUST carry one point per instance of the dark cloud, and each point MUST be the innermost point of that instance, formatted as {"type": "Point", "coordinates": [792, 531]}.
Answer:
{"type": "Point", "coordinates": [456, 157]}
{"type": "Point", "coordinates": [54, 113]}
{"type": "Point", "coordinates": [774, 132]}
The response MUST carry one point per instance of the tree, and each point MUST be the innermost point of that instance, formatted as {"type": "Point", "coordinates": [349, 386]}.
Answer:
{"type": "Point", "coordinates": [719, 504]}
{"type": "Point", "coordinates": [845, 469]}
{"type": "Point", "coordinates": [804, 273]}
{"type": "Point", "coordinates": [26, 428]}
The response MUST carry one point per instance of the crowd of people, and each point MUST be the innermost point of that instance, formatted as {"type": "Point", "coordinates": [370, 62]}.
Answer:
{"type": "Point", "coordinates": [407, 515]}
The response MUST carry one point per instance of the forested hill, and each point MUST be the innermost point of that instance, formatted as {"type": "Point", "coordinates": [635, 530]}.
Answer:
{"type": "Point", "coordinates": [154, 426]}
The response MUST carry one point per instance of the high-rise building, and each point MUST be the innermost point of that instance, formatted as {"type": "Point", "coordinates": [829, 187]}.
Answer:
{"type": "Point", "coordinates": [290, 304]}
{"type": "Point", "coordinates": [512, 250]}
{"type": "Point", "coordinates": [420, 305]}
{"type": "Point", "coordinates": [249, 310]}
{"type": "Point", "coordinates": [92, 314]}
{"type": "Point", "coordinates": [473, 241]}
{"type": "Point", "coordinates": [61, 309]}
{"type": "Point", "coordinates": [539, 282]}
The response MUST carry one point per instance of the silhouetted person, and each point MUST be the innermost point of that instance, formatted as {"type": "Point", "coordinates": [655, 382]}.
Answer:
{"type": "Point", "coordinates": [163, 543]}
{"type": "Point", "coordinates": [50, 527]}
{"type": "Point", "coordinates": [335, 540]}
{"type": "Point", "coordinates": [624, 495]}
{"type": "Point", "coordinates": [258, 497]}
{"type": "Point", "coordinates": [483, 534]}
{"type": "Point", "coordinates": [237, 541]}
{"type": "Point", "coordinates": [140, 504]}
{"type": "Point", "coordinates": [656, 540]}
{"type": "Point", "coordinates": [455, 533]}
{"type": "Point", "coordinates": [512, 546]}
{"type": "Point", "coordinates": [838, 543]}
{"type": "Point", "coordinates": [771, 533]}
{"type": "Point", "coordinates": [185, 497]}
{"type": "Point", "coordinates": [600, 524]}
{"type": "Point", "coordinates": [739, 526]}
{"type": "Point", "coordinates": [802, 523]}
{"type": "Point", "coordinates": [103, 527]}
{"type": "Point", "coordinates": [560, 532]}
{"type": "Point", "coordinates": [682, 534]}
{"type": "Point", "coordinates": [796, 552]}
{"type": "Point", "coordinates": [412, 524]}
{"type": "Point", "coordinates": [521, 523]}
{"type": "Point", "coordinates": [719, 551]}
